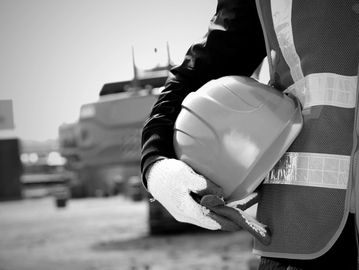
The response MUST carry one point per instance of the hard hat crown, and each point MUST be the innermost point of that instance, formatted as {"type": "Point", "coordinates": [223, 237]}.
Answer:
{"type": "Point", "coordinates": [233, 130]}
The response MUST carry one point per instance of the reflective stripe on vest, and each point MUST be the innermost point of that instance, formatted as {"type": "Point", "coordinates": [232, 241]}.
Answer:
{"type": "Point", "coordinates": [311, 169]}
{"type": "Point", "coordinates": [282, 21]}
{"type": "Point", "coordinates": [325, 89]}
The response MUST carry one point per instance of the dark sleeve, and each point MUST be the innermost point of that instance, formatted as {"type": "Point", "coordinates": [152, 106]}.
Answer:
{"type": "Point", "coordinates": [233, 45]}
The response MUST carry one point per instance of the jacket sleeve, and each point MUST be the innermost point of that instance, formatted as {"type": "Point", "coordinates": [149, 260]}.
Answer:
{"type": "Point", "coordinates": [233, 45]}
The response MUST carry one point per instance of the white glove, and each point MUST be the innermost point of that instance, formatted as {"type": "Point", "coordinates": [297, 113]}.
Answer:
{"type": "Point", "coordinates": [176, 186]}
{"type": "Point", "coordinates": [171, 182]}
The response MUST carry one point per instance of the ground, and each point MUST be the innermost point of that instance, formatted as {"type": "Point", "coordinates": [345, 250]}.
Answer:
{"type": "Point", "coordinates": [107, 234]}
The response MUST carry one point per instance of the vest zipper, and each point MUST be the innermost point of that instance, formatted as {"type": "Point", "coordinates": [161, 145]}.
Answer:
{"type": "Point", "coordinates": [354, 164]}
{"type": "Point", "coordinates": [352, 179]}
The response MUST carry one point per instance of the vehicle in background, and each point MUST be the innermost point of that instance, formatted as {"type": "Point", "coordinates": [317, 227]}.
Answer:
{"type": "Point", "coordinates": [135, 189]}
{"type": "Point", "coordinates": [103, 147]}
{"type": "Point", "coordinates": [44, 174]}
{"type": "Point", "coordinates": [106, 144]}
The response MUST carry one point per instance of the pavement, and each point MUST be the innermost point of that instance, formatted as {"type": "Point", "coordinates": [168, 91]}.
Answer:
{"type": "Point", "coordinates": [107, 234]}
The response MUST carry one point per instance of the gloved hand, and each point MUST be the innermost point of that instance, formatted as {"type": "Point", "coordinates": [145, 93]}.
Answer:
{"type": "Point", "coordinates": [179, 189]}
{"type": "Point", "coordinates": [191, 198]}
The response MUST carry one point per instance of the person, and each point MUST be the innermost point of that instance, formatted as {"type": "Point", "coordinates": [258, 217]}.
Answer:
{"type": "Point", "coordinates": [309, 200]}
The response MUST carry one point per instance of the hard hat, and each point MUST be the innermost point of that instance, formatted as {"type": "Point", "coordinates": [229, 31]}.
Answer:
{"type": "Point", "coordinates": [233, 130]}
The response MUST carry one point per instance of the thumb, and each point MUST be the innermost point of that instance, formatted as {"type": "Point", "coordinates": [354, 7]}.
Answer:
{"type": "Point", "coordinates": [199, 184]}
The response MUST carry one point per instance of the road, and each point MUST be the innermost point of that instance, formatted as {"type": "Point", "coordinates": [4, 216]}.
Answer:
{"type": "Point", "coordinates": [107, 234]}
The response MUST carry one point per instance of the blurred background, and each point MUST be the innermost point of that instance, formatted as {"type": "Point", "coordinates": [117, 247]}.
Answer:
{"type": "Point", "coordinates": [77, 80]}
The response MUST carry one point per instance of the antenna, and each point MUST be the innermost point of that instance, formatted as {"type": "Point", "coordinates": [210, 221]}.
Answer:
{"type": "Point", "coordinates": [169, 61]}
{"type": "Point", "coordinates": [135, 82]}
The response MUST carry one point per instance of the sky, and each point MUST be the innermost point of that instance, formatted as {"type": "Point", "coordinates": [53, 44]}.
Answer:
{"type": "Point", "coordinates": [55, 55]}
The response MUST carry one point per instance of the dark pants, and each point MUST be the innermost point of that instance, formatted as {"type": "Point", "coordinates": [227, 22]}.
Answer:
{"type": "Point", "coordinates": [343, 255]}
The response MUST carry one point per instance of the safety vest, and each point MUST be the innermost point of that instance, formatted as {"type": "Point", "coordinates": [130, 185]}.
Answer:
{"type": "Point", "coordinates": [313, 47]}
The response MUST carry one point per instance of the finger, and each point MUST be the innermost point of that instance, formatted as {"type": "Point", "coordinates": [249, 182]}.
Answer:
{"type": "Point", "coordinates": [196, 214]}
{"type": "Point", "coordinates": [242, 219]}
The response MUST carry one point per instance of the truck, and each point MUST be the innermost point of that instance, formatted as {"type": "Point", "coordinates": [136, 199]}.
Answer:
{"type": "Point", "coordinates": [44, 173]}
